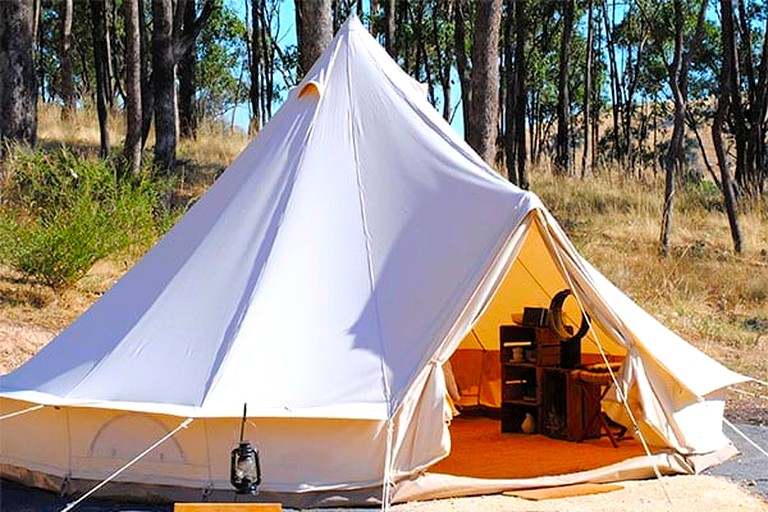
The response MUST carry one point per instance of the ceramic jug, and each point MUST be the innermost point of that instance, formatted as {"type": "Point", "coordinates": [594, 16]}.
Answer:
{"type": "Point", "coordinates": [529, 424]}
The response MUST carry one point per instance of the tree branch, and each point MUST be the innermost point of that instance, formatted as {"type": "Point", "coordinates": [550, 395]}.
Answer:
{"type": "Point", "coordinates": [184, 40]}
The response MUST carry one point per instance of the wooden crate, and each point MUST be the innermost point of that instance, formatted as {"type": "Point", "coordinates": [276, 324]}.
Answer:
{"type": "Point", "coordinates": [548, 356]}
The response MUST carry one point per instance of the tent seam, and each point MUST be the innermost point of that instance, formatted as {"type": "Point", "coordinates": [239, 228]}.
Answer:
{"type": "Point", "coordinates": [290, 186]}
{"type": "Point", "coordinates": [367, 236]}
{"type": "Point", "coordinates": [388, 448]}
{"type": "Point", "coordinates": [471, 156]}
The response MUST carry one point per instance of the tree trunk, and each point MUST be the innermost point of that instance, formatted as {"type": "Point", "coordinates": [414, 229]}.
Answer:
{"type": "Point", "coordinates": [187, 81]}
{"type": "Point", "coordinates": [255, 62]}
{"type": "Point", "coordinates": [67, 80]}
{"type": "Point", "coordinates": [147, 92]}
{"type": "Point", "coordinates": [98, 28]}
{"type": "Point", "coordinates": [563, 140]}
{"type": "Point", "coordinates": [463, 65]}
{"type": "Point", "coordinates": [587, 110]}
{"type": "Point", "coordinates": [614, 80]}
{"type": "Point", "coordinates": [335, 15]}
{"type": "Point", "coordinates": [18, 92]}
{"type": "Point", "coordinates": [747, 121]}
{"type": "Point", "coordinates": [485, 81]}
{"type": "Point", "coordinates": [164, 87]}
{"type": "Point", "coordinates": [672, 160]}
{"type": "Point", "coordinates": [375, 25]}
{"type": "Point", "coordinates": [678, 83]}
{"type": "Point", "coordinates": [117, 64]}
{"type": "Point", "coordinates": [109, 92]}
{"type": "Point", "coordinates": [443, 57]}
{"type": "Point", "coordinates": [389, 32]}
{"type": "Point", "coordinates": [520, 91]}
{"type": "Point", "coordinates": [402, 37]}
{"type": "Point", "coordinates": [314, 31]}
{"type": "Point", "coordinates": [731, 79]}
{"type": "Point", "coordinates": [133, 139]}
{"type": "Point", "coordinates": [729, 195]}
{"type": "Point", "coordinates": [758, 118]}
{"type": "Point", "coordinates": [37, 9]}
{"type": "Point", "coordinates": [268, 73]}
{"type": "Point", "coordinates": [509, 97]}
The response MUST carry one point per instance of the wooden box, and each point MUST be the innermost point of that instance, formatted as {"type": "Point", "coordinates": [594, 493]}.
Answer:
{"type": "Point", "coordinates": [515, 340]}
{"type": "Point", "coordinates": [547, 338]}
{"type": "Point", "coordinates": [548, 356]}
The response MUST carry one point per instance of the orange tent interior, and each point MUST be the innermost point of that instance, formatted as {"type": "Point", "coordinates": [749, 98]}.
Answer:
{"type": "Point", "coordinates": [493, 393]}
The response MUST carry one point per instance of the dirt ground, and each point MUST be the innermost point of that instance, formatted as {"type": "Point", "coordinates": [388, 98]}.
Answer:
{"type": "Point", "coordinates": [692, 493]}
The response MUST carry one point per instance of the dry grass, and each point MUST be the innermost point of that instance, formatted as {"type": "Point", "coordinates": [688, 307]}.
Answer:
{"type": "Point", "coordinates": [214, 148]}
{"type": "Point", "coordinates": [713, 297]}
{"type": "Point", "coordinates": [81, 130]}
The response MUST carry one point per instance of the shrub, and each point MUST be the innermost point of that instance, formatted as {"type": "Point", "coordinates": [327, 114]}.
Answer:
{"type": "Point", "coordinates": [62, 213]}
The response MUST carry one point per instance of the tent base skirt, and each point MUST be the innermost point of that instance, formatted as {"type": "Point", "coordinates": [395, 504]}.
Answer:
{"type": "Point", "coordinates": [439, 485]}
{"type": "Point", "coordinates": [424, 487]}
{"type": "Point", "coordinates": [141, 493]}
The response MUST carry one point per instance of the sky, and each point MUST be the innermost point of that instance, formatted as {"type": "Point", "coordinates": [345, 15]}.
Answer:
{"type": "Point", "coordinates": [287, 37]}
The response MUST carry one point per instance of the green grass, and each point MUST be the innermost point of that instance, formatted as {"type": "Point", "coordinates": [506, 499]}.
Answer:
{"type": "Point", "coordinates": [61, 212]}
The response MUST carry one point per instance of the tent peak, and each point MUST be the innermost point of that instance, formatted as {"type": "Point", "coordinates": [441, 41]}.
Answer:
{"type": "Point", "coordinates": [352, 22]}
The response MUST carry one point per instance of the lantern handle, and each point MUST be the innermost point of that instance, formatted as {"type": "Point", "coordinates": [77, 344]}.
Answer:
{"type": "Point", "coordinates": [242, 424]}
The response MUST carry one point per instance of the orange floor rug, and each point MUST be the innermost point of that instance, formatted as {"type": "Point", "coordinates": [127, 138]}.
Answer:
{"type": "Point", "coordinates": [479, 449]}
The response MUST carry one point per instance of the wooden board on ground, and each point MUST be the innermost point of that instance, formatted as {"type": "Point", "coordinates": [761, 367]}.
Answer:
{"type": "Point", "coordinates": [227, 507]}
{"type": "Point", "coordinates": [548, 493]}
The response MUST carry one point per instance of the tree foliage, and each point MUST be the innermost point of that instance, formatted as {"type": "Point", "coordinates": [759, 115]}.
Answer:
{"type": "Point", "coordinates": [628, 55]}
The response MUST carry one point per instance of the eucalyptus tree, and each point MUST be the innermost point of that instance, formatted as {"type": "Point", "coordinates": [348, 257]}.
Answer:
{"type": "Point", "coordinates": [164, 85]}
{"type": "Point", "coordinates": [171, 42]}
{"type": "Point", "coordinates": [389, 32]}
{"type": "Point", "coordinates": [682, 40]}
{"type": "Point", "coordinates": [745, 78]}
{"type": "Point", "coordinates": [223, 57]}
{"type": "Point", "coordinates": [586, 161]}
{"type": "Point", "coordinates": [517, 92]}
{"type": "Point", "coordinates": [253, 41]}
{"type": "Point", "coordinates": [187, 71]}
{"type": "Point", "coordinates": [729, 106]}
{"type": "Point", "coordinates": [462, 26]}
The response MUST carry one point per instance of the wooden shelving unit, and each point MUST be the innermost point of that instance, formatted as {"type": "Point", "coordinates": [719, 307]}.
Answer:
{"type": "Point", "coordinates": [532, 381]}
{"type": "Point", "coordinates": [525, 352]}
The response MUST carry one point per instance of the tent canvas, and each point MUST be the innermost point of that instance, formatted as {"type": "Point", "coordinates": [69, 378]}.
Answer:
{"type": "Point", "coordinates": [324, 280]}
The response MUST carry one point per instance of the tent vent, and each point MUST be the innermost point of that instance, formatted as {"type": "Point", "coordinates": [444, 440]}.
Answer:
{"type": "Point", "coordinates": [311, 89]}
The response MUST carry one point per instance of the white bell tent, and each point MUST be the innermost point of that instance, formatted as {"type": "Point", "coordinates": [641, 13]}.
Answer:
{"type": "Point", "coordinates": [324, 279]}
